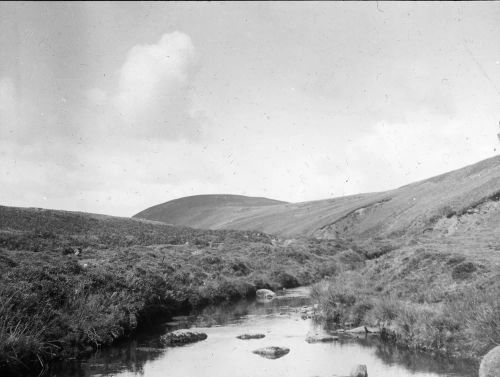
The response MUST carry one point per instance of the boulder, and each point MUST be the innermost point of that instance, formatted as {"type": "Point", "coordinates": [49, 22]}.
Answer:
{"type": "Point", "coordinates": [359, 371]}
{"type": "Point", "coordinates": [265, 294]}
{"type": "Point", "coordinates": [272, 352]}
{"type": "Point", "coordinates": [490, 364]}
{"type": "Point", "coordinates": [364, 330]}
{"type": "Point", "coordinates": [250, 336]}
{"type": "Point", "coordinates": [316, 337]}
{"type": "Point", "coordinates": [181, 337]}
{"type": "Point", "coordinates": [358, 330]}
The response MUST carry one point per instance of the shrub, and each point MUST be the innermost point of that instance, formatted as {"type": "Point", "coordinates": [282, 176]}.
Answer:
{"type": "Point", "coordinates": [463, 270]}
{"type": "Point", "coordinates": [386, 309]}
{"type": "Point", "coordinates": [359, 311]}
{"type": "Point", "coordinates": [285, 279]}
{"type": "Point", "coordinates": [327, 269]}
{"type": "Point", "coordinates": [351, 258]}
{"type": "Point", "coordinates": [240, 268]}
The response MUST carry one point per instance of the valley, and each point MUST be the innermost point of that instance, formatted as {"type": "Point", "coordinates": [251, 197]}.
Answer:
{"type": "Point", "coordinates": [421, 262]}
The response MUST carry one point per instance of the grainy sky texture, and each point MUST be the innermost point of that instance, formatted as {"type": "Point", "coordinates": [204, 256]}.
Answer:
{"type": "Point", "coordinates": [114, 107]}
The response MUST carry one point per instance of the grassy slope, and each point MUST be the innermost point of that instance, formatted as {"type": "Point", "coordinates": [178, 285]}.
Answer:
{"type": "Point", "coordinates": [202, 211]}
{"type": "Point", "coordinates": [409, 209]}
{"type": "Point", "coordinates": [53, 302]}
{"type": "Point", "coordinates": [437, 291]}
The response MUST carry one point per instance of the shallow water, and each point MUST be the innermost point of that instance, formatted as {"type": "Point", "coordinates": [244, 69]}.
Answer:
{"type": "Point", "coordinates": [222, 354]}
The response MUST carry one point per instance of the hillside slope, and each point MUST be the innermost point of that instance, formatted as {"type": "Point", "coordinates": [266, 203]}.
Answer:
{"type": "Point", "coordinates": [204, 211]}
{"type": "Point", "coordinates": [413, 208]}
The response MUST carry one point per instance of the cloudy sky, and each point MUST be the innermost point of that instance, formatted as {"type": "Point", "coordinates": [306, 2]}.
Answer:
{"type": "Point", "coordinates": [114, 107]}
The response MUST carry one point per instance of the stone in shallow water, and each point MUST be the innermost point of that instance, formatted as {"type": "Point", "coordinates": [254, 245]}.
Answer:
{"type": "Point", "coordinates": [250, 336]}
{"type": "Point", "coordinates": [316, 337]}
{"type": "Point", "coordinates": [358, 330]}
{"type": "Point", "coordinates": [265, 294]}
{"type": "Point", "coordinates": [181, 337]}
{"type": "Point", "coordinates": [363, 330]}
{"type": "Point", "coordinates": [272, 352]}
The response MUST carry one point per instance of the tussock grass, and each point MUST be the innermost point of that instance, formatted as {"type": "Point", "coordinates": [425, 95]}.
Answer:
{"type": "Point", "coordinates": [21, 337]}
{"type": "Point", "coordinates": [421, 300]}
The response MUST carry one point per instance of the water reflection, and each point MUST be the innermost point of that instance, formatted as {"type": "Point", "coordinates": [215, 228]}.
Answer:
{"type": "Point", "coordinates": [415, 361]}
{"type": "Point", "coordinates": [129, 357]}
{"type": "Point", "coordinates": [222, 354]}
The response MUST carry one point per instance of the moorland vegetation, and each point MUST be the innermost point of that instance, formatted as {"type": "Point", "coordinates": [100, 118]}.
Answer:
{"type": "Point", "coordinates": [73, 282]}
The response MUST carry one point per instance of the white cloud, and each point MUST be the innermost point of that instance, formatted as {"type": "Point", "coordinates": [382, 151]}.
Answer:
{"type": "Point", "coordinates": [97, 96]}
{"type": "Point", "coordinates": [368, 88]}
{"type": "Point", "coordinates": [149, 69]}
{"type": "Point", "coordinates": [124, 147]}
{"type": "Point", "coordinates": [152, 98]}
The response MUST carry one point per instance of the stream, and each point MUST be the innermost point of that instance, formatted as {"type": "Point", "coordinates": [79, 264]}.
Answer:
{"type": "Point", "coordinates": [222, 355]}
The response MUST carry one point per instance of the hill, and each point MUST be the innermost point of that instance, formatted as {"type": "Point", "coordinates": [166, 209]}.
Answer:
{"type": "Point", "coordinates": [440, 201]}
{"type": "Point", "coordinates": [204, 211]}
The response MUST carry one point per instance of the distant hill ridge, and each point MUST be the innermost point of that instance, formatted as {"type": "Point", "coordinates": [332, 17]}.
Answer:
{"type": "Point", "coordinates": [413, 208]}
{"type": "Point", "coordinates": [203, 210]}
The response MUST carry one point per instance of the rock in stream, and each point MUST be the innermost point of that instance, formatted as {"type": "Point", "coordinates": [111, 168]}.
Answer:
{"type": "Point", "coordinates": [250, 336]}
{"type": "Point", "coordinates": [181, 337]}
{"type": "Point", "coordinates": [265, 294]}
{"type": "Point", "coordinates": [490, 365]}
{"type": "Point", "coordinates": [317, 337]}
{"type": "Point", "coordinates": [272, 352]}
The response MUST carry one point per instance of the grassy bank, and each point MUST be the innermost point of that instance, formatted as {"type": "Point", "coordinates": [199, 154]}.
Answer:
{"type": "Point", "coordinates": [440, 296]}
{"type": "Point", "coordinates": [70, 282]}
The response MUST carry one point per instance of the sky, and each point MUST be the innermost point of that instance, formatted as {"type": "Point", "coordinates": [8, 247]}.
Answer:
{"type": "Point", "coordinates": [114, 107]}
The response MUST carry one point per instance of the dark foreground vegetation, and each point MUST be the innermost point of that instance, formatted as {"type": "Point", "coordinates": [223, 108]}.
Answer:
{"type": "Point", "coordinates": [72, 282]}
{"type": "Point", "coordinates": [440, 295]}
